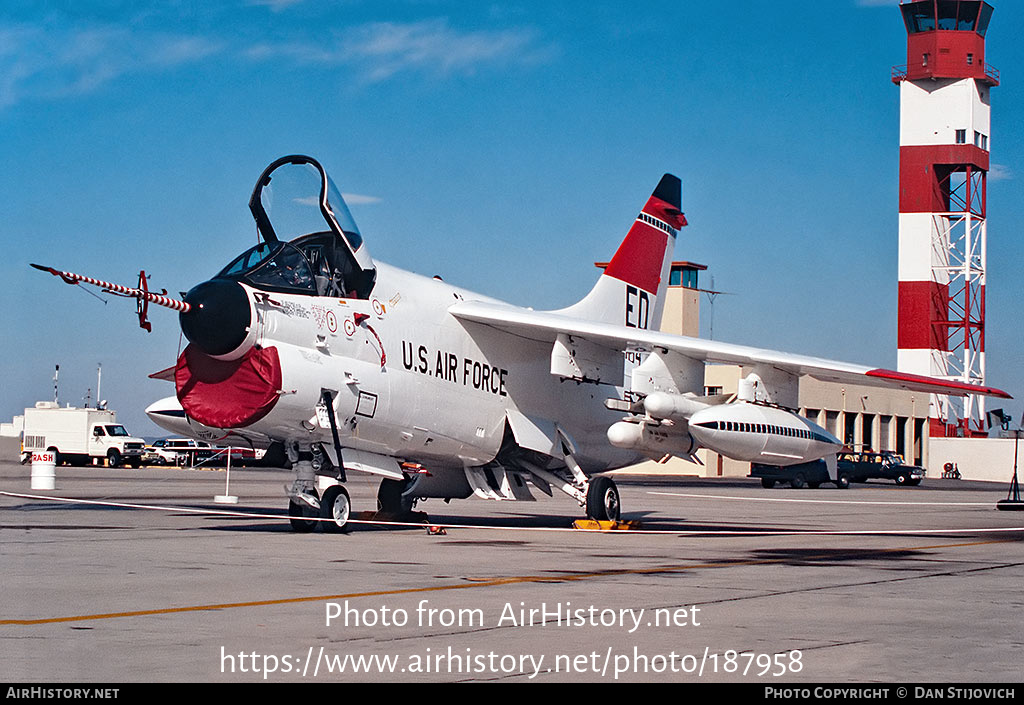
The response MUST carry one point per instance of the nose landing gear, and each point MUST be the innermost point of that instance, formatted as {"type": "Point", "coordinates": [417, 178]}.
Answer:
{"type": "Point", "coordinates": [303, 514]}
{"type": "Point", "coordinates": [306, 508]}
{"type": "Point", "coordinates": [336, 508]}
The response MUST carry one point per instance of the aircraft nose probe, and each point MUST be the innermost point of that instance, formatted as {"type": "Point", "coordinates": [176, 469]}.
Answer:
{"type": "Point", "coordinates": [141, 293]}
{"type": "Point", "coordinates": [215, 315]}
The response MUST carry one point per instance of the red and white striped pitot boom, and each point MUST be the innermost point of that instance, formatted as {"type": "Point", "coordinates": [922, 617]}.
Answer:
{"type": "Point", "coordinates": [140, 293]}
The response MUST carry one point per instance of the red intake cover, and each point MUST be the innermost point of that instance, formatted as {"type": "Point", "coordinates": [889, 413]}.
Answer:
{"type": "Point", "coordinates": [228, 394]}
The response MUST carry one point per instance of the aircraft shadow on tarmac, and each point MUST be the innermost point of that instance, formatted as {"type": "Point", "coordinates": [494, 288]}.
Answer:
{"type": "Point", "coordinates": [512, 521]}
{"type": "Point", "coordinates": [259, 521]}
{"type": "Point", "coordinates": [524, 521]}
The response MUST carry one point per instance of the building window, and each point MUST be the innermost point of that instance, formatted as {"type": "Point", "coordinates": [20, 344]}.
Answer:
{"type": "Point", "coordinates": [970, 59]}
{"type": "Point", "coordinates": [947, 15]}
{"type": "Point", "coordinates": [924, 59]}
{"type": "Point", "coordinates": [684, 277]}
{"type": "Point", "coordinates": [961, 136]}
{"type": "Point", "coordinates": [712, 391]}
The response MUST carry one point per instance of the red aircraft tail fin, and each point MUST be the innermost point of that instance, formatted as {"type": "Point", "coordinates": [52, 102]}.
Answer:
{"type": "Point", "coordinates": [631, 291]}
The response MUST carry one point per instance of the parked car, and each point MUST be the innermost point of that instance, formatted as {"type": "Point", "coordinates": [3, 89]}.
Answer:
{"type": "Point", "coordinates": [177, 451]}
{"type": "Point", "coordinates": [812, 474]}
{"type": "Point", "coordinates": [887, 465]}
{"type": "Point", "coordinates": [850, 467]}
{"type": "Point", "coordinates": [239, 456]}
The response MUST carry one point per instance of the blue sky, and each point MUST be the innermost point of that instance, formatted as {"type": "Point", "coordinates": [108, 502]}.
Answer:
{"type": "Point", "coordinates": [506, 147]}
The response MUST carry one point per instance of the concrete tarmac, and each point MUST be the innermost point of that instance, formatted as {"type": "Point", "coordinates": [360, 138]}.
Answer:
{"type": "Point", "coordinates": [737, 583]}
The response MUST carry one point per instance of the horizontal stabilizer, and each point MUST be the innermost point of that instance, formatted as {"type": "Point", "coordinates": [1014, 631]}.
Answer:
{"type": "Point", "coordinates": [166, 375]}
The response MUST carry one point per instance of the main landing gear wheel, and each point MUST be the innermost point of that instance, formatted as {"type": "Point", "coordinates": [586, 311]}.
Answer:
{"type": "Point", "coordinates": [335, 507]}
{"type": "Point", "coordinates": [603, 499]}
{"type": "Point", "coordinates": [302, 516]}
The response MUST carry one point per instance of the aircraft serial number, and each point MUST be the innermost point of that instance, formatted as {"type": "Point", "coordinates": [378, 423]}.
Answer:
{"type": "Point", "coordinates": [449, 367]}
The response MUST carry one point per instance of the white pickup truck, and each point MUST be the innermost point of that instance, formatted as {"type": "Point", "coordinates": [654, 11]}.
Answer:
{"type": "Point", "coordinates": [80, 436]}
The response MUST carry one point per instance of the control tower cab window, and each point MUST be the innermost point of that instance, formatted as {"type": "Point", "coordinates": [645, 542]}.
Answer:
{"type": "Point", "coordinates": [983, 19]}
{"type": "Point", "coordinates": [947, 15]}
{"type": "Point", "coordinates": [919, 17]}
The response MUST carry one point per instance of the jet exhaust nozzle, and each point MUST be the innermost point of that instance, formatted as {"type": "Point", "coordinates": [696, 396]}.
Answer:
{"type": "Point", "coordinates": [219, 319]}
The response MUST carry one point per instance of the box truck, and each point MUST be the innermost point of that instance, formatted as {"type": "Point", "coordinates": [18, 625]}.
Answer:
{"type": "Point", "coordinates": [80, 436]}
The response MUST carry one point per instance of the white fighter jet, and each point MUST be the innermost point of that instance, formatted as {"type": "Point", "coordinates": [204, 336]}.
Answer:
{"type": "Point", "coordinates": [306, 344]}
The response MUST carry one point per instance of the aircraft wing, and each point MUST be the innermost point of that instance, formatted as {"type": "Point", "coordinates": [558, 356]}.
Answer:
{"type": "Point", "coordinates": [545, 327]}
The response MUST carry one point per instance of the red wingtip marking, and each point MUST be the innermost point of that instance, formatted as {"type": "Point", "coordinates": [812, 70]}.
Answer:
{"type": "Point", "coordinates": [954, 387]}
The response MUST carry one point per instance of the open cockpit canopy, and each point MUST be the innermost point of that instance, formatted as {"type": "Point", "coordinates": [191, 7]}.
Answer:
{"type": "Point", "coordinates": [310, 242]}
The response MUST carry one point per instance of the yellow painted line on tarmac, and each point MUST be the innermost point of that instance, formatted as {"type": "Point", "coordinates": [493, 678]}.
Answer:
{"type": "Point", "coordinates": [511, 580]}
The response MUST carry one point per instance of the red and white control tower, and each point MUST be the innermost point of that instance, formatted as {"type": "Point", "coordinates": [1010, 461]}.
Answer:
{"type": "Point", "coordinates": [944, 163]}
